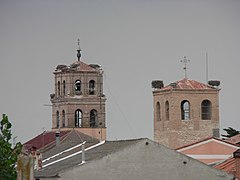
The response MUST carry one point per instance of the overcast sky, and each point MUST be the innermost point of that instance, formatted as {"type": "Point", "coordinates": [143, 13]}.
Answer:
{"type": "Point", "coordinates": [135, 41]}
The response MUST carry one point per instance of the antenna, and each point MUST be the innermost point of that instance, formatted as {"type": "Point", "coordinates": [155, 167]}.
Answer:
{"type": "Point", "coordinates": [79, 50]}
{"type": "Point", "coordinates": [185, 61]}
{"type": "Point", "coordinates": [206, 67]}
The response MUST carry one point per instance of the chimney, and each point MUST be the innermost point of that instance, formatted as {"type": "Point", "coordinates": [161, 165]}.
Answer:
{"type": "Point", "coordinates": [57, 137]}
{"type": "Point", "coordinates": [216, 133]}
{"type": "Point", "coordinates": [83, 152]}
{"type": "Point", "coordinates": [236, 156]}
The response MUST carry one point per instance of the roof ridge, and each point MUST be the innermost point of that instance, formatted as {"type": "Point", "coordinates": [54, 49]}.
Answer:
{"type": "Point", "coordinates": [80, 135]}
{"type": "Point", "coordinates": [68, 134]}
{"type": "Point", "coordinates": [127, 140]}
{"type": "Point", "coordinates": [84, 64]}
{"type": "Point", "coordinates": [205, 139]}
{"type": "Point", "coordinates": [53, 143]}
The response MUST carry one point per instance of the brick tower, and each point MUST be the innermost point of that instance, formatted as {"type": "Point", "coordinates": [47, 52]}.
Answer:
{"type": "Point", "coordinates": [79, 101]}
{"type": "Point", "coordinates": [185, 111]}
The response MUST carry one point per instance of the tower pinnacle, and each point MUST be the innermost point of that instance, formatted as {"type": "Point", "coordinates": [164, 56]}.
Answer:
{"type": "Point", "coordinates": [79, 51]}
{"type": "Point", "coordinates": [185, 61]}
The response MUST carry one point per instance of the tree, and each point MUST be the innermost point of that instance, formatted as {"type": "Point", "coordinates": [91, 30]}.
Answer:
{"type": "Point", "coordinates": [8, 153]}
{"type": "Point", "coordinates": [230, 132]}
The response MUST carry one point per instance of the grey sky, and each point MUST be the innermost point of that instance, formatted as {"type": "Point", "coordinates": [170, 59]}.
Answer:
{"type": "Point", "coordinates": [135, 41]}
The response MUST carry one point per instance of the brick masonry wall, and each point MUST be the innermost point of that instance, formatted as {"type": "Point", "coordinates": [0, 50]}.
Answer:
{"type": "Point", "coordinates": [176, 132]}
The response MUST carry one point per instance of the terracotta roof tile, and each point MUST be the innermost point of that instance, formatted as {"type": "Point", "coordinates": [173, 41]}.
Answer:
{"type": "Point", "coordinates": [187, 84]}
{"type": "Point", "coordinates": [78, 66]}
{"type": "Point", "coordinates": [206, 139]}
{"type": "Point", "coordinates": [43, 139]}
{"type": "Point", "coordinates": [234, 139]}
{"type": "Point", "coordinates": [83, 66]}
{"type": "Point", "coordinates": [228, 166]}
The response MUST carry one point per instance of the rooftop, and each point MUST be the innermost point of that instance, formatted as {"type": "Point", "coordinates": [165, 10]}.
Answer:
{"type": "Point", "coordinates": [203, 141]}
{"type": "Point", "coordinates": [234, 139]}
{"type": "Point", "coordinates": [187, 84]}
{"type": "Point", "coordinates": [46, 141]}
{"type": "Point", "coordinates": [228, 166]}
{"type": "Point", "coordinates": [61, 159]}
{"type": "Point", "coordinates": [43, 139]}
{"type": "Point", "coordinates": [78, 66]}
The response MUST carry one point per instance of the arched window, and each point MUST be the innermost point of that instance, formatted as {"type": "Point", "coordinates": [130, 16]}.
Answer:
{"type": "Point", "coordinates": [185, 110]}
{"type": "Point", "coordinates": [63, 118]}
{"type": "Point", "coordinates": [93, 118]}
{"type": "Point", "coordinates": [158, 114]}
{"type": "Point", "coordinates": [57, 119]}
{"type": "Point", "coordinates": [167, 110]}
{"type": "Point", "coordinates": [206, 110]}
{"type": "Point", "coordinates": [58, 88]}
{"type": "Point", "coordinates": [78, 118]}
{"type": "Point", "coordinates": [77, 85]}
{"type": "Point", "coordinates": [64, 88]}
{"type": "Point", "coordinates": [91, 87]}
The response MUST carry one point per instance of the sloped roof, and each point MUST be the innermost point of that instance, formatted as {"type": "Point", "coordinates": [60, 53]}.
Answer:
{"type": "Point", "coordinates": [234, 139]}
{"type": "Point", "coordinates": [72, 139]}
{"type": "Point", "coordinates": [68, 160]}
{"type": "Point", "coordinates": [77, 66]}
{"type": "Point", "coordinates": [210, 150]}
{"type": "Point", "coordinates": [83, 66]}
{"type": "Point", "coordinates": [187, 84]}
{"type": "Point", "coordinates": [231, 165]}
{"type": "Point", "coordinates": [205, 141]}
{"type": "Point", "coordinates": [136, 156]}
{"type": "Point", "coordinates": [43, 139]}
{"type": "Point", "coordinates": [47, 140]}
{"type": "Point", "coordinates": [228, 166]}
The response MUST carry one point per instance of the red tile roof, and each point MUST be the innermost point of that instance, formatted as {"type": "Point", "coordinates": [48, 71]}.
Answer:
{"type": "Point", "coordinates": [228, 166]}
{"type": "Point", "coordinates": [83, 66]}
{"type": "Point", "coordinates": [187, 84]}
{"type": "Point", "coordinates": [78, 66]}
{"type": "Point", "coordinates": [206, 139]}
{"type": "Point", "coordinates": [234, 139]}
{"type": "Point", "coordinates": [43, 139]}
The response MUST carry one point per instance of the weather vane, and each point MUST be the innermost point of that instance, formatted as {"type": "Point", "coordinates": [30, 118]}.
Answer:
{"type": "Point", "coordinates": [79, 50]}
{"type": "Point", "coordinates": [185, 61]}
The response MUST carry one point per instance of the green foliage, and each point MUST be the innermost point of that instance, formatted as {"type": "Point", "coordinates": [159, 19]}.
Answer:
{"type": "Point", "coordinates": [230, 132]}
{"type": "Point", "coordinates": [8, 154]}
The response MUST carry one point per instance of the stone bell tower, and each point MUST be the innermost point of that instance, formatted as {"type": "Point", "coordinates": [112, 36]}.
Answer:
{"type": "Point", "coordinates": [185, 111]}
{"type": "Point", "coordinates": [78, 101]}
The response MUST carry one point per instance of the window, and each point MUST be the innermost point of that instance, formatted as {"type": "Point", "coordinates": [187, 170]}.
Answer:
{"type": "Point", "coordinates": [185, 110]}
{"type": "Point", "coordinates": [58, 88]}
{"type": "Point", "coordinates": [158, 115]}
{"type": "Point", "coordinates": [77, 85]}
{"type": "Point", "coordinates": [167, 110]}
{"type": "Point", "coordinates": [93, 118]}
{"type": "Point", "coordinates": [63, 118]}
{"type": "Point", "coordinates": [78, 118]}
{"type": "Point", "coordinates": [206, 110]}
{"type": "Point", "coordinates": [57, 119]}
{"type": "Point", "coordinates": [91, 87]}
{"type": "Point", "coordinates": [64, 87]}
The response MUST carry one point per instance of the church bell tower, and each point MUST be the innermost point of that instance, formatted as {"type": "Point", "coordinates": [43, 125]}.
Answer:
{"type": "Point", "coordinates": [185, 111]}
{"type": "Point", "coordinates": [78, 102]}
